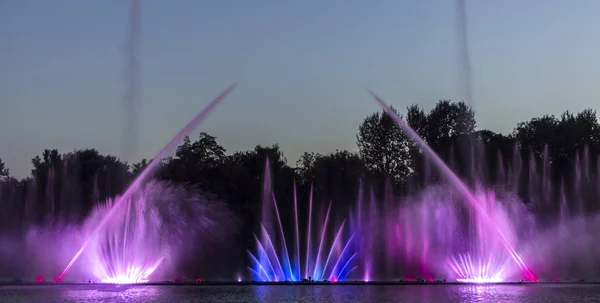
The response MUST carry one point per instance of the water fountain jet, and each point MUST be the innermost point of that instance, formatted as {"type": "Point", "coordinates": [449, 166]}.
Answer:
{"type": "Point", "coordinates": [145, 174]}
{"type": "Point", "coordinates": [271, 266]}
{"type": "Point", "coordinates": [459, 185]}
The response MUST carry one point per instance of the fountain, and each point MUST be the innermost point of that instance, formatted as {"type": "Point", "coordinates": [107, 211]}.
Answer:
{"type": "Point", "coordinates": [432, 229]}
{"type": "Point", "coordinates": [143, 177]}
{"type": "Point", "coordinates": [500, 221]}
{"type": "Point", "coordinates": [150, 235]}
{"type": "Point", "coordinates": [508, 224]}
{"type": "Point", "coordinates": [325, 258]}
{"type": "Point", "coordinates": [475, 265]}
{"type": "Point", "coordinates": [132, 96]}
{"type": "Point", "coordinates": [150, 228]}
{"type": "Point", "coordinates": [113, 231]}
{"type": "Point", "coordinates": [131, 99]}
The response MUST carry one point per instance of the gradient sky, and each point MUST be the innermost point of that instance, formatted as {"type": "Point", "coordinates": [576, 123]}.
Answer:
{"type": "Point", "coordinates": [303, 67]}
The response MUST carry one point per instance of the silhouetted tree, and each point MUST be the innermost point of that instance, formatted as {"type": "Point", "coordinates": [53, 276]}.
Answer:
{"type": "Point", "coordinates": [305, 167]}
{"type": "Point", "coordinates": [70, 185]}
{"type": "Point", "coordinates": [137, 168]}
{"type": "Point", "coordinates": [447, 124]}
{"type": "Point", "coordinates": [535, 134]}
{"type": "Point", "coordinates": [4, 172]}
{"type": "Point", "coordinates": [417, 119]}
{"type": "Point", "coordinates": [564, 137]}
{"type": "Point", "coordinates": [384, 147]}
{"type": "Point", "coordinates": [498, 152]}
{"type": "Point", "coordinates": [447, 120]}
{"type": "Point", "coordinates": [253, 164]}
{"type": "Point", "coordinates": [337, 177]}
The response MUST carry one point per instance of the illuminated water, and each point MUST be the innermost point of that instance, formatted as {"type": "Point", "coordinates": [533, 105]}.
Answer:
{"type": "Point", "coordinates": [482, 231]}
{"type": "Point", "coordinates": [152, 228]}
{"type": "Point", "coordinates": [469, 229]}
{"type": "Point", "coordinates": [138, 183]}
{"type": "Point", "coordinates": [325, 258]}
{"type": "Point", "coordinates": [495, 232]}
{"type": "Point", "coordinates": [280, 294]}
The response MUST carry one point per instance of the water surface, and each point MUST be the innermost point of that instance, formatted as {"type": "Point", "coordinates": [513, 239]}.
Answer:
{"type": "Point", "coordinates": [302, 293]}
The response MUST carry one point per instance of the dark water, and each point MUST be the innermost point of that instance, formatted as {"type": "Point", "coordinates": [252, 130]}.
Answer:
{"type": "Point", "coordinates": [345, 294]}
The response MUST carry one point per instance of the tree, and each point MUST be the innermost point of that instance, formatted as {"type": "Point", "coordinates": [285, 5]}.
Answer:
{"type": "Point", "coordinates": [305, 167]}
{"type": "Point", "coordinates": [337, 176]}
{"type": "Point", "coordinates": [384, 147]}
{"type": "Point", "coordinates": [194, 162]}
{"type": "Point", "coordinates": [46, 174]}
{"type": "Point", "coordinates": [575, 132]}
{"type": "Point", "coordinates": [208, 150]}
{"type": "Point", "coordinates": [446, 125]}
{"type": "Point", "coordinates": [253, 163]}
{"type": "Point", "coordinates": [447, 120]}
{"type": "Point", "coordinates": [536, 133]}
{"type": "Point", "coordinates": [4, 172]}
{"type": "Point", "coordinates": [137, 168]}
{"type": "Point", "coordinates": [49, 159]}
{"type": "Point", "coordinates": [417, 119]}
{"type": "Point", "coordinates": [71, 184]}
{"type": "Point", "coordinates": [498, 151]}
{"type": "Point", "coordinates": [564, 137]}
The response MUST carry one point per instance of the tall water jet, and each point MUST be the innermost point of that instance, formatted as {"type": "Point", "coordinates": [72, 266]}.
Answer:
{"type": "Point", "coordinates": [473, 202]}
{"type": "Point", "coordinates": [145, 174]}
{"type": "Point", "coordinates": [463, 50]}
{"type": "Point", "coordinates": [132, 95]}
{"type": "Point", "coordinates": [266, 209]}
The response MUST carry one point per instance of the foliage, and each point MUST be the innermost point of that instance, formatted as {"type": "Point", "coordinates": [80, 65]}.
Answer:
{"type": "Point", "coordinates": [384, 147]}
{"type": "Point", "coordinates": [4, 172]}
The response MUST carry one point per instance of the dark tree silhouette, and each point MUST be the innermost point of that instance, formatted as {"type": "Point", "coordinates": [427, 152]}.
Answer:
{"type": "Point", "coordinates": [447, 124]}
{"type": "Point", "coordinates": [447, 120]}
{"type": "Point", "coordinates": [535, 134]}
{"type": "Point", "coordinates": [4, 172]}
{"type": "Point", "coordinates": [305, 168]}
{"type": "Point", "coordinates": [384, 147]}
{"type": "Point", "coordinates": [137, 168]}
{"type": "Point", "coordinates": [335, 177]}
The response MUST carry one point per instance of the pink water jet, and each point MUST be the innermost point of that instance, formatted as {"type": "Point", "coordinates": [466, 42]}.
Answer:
{"type": "Point", "coordinates": [473, 202]}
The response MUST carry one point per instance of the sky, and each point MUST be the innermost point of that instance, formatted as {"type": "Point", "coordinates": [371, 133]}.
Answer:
{"type": "Point", "coordinates": [302, 66]}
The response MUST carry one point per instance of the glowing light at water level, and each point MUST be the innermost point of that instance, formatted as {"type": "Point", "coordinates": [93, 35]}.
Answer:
{"type": "Point", "coordinates": [477, 271]}
{"type": "Point", "coordinates": [480, 280]}
{"type": "Point", "coordinates": [134, 276]}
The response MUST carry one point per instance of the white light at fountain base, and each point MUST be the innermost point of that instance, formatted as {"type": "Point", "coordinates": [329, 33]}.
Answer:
{"type": "Point", "coordinates": [480, 280]}
{"type": "Point", "coordinates": [124, 280]}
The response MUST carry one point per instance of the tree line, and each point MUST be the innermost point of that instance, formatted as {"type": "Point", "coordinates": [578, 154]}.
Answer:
{"type": "Point", "coordinates": [66, 186]}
